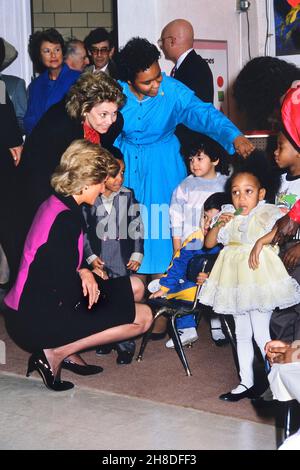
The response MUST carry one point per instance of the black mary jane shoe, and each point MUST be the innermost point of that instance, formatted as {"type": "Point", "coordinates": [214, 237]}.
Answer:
{"type": "Point", "coordinates": [39, 362]}
{"type": "Point", "coordinates": [79, 369]}
{"type": "Point", "coordinates": [248, 393]}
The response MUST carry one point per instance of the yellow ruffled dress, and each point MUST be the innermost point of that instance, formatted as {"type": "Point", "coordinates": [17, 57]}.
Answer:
{"type": "Point", "coordinates": [232, 287]}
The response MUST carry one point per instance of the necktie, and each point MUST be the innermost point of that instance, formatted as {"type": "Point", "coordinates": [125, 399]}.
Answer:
{"type": "Point", "coordinates": [173, 71]}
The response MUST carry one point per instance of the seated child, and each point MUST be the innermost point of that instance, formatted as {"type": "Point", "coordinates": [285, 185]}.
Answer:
{"type": "Point", "coordinates": [285, 324]}
{"type": "Point", "coordinates": [209, 170]}
{"type": "Point", "coordinates": [248, 280]}
{"type": "Point", "coordinates": [113, 243]}
{"type": "Point", "coordinates": [175, 285]}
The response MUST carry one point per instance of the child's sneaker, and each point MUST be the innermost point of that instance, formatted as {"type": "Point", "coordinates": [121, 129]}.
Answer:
{"type": "Point", "coordinates": [187, 336]}
{"type": "Point", "coordinates": [154, 286]}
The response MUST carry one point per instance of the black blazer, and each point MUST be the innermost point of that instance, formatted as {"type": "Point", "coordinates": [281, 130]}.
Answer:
{"type": "Point", "coordinates": [42, 152]}
{"type": "Point", "coordinates": [195, 73]}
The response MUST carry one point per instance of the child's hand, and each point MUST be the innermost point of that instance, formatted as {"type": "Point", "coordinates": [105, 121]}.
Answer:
{"type": "Point", "coordinates": [158, 293]}
{"type": "Point", "coordinates": [254, 255]}
{"type": "Point", "coordinates": [224, 219]}
{"type": "Point", "coordinates": [291, 257]}
{"type": "Point", "coordinates": [133, 265]}
{"type": "Point", "coordinates": [97, 263]}
{"type": "Point", "coordinates": [98, 268]}
{"type": "Point", "coordinates": [201, 278]}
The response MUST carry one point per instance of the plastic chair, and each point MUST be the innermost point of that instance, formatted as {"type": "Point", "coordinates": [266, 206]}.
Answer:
{"type": "Point", "coordinates": [172, 309]}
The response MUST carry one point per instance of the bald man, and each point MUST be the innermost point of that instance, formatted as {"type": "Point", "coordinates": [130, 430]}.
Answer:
{"type": "Point", "coordinates": [176, 42]}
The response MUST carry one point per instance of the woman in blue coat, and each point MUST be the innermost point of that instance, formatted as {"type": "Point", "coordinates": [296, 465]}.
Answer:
{"type": "Point", "coordinates": [154, 167]}
{"type": "Point", "coordinates": [46, 50]}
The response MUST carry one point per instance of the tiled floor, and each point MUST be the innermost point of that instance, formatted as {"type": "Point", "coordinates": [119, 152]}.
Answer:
{"type": "Point", "coordinates": [33, 417]}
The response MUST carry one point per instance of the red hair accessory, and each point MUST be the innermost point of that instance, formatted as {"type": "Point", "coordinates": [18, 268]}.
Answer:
{"type": "Point", "coordinates": [290, 115]}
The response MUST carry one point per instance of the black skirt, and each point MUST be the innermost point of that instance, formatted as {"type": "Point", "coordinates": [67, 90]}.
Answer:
{"type": "Point", "coordinates": [34, 330]}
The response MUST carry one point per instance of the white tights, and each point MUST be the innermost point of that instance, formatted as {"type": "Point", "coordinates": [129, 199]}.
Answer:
{"type": "Point", "coordinates": [252, 325]}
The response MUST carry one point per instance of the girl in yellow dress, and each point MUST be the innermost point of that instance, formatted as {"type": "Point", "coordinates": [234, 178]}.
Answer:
{"type": "Point", "coordinates": [248, 280]}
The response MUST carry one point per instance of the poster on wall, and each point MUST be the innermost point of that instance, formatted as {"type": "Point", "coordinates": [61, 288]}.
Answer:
{"type": "Point", "coordinates": [284, 34]}
{"type": "Point", "coordinates": [287, 27]}
{"type": "Point", "coordinates": [215, 54]}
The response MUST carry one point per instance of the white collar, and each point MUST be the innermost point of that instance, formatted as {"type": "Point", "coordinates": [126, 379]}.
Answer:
{"type": "Point", "coordinates": [100, 70]}
{"type": "Point", "coordinates": [181, 58]}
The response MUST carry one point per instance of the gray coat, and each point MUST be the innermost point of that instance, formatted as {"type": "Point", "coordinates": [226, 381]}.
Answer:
{"type": "Point", "coordinates": [16, 90]}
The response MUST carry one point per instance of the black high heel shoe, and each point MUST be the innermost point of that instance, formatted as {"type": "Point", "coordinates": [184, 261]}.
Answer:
{"type": "Point", "coordinates": [87, 369]}
{"type": "Point", "coordinates": [38, 362]}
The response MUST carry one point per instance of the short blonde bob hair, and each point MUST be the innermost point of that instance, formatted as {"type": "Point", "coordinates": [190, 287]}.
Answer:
{"type": "Point", "coordinates": [83, 164]}
{"type": "Point", "coordinates": [91, 89]}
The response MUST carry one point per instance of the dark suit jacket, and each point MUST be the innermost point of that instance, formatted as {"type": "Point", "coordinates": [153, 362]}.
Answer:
{"type": "Point", "coordinates": [111, 69]}
{"type": "Point", "coordinates": [195, 73]}
{"type": "Point", "coordinates": [10, 136]}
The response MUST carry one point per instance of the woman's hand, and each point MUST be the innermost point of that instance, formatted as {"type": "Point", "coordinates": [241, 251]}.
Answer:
{"type": "Point", "coordinates": [201, 278]}
{"type": "Point", "coordinates": [89, 286]}
{"type": "Point", "coordinates": [98, 268]}
{"type": "Point", "coordinates": [291, 257]}
{"type": "Point", "coordinates": [158, 293]}
{"type": "Point", "coordinates": [286, 228]}
{"type": "Point", "coordinates": [133, 265]}
{"type": "Point", "coordinates": [243, 146]}
{"type": "Point", "coordinates": [16, 153]}
{"type": "Point", "coordinates": [254, 255]}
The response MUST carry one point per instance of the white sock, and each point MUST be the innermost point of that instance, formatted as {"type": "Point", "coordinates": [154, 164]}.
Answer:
{"type": "Point", "coordinates": [240, 388]}
{"type": "Point", "coordinates": [216, 328]}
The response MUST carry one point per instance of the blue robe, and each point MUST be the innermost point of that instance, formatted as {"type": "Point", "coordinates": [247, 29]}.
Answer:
{"type": "Point", "coordinates": [153, 163]}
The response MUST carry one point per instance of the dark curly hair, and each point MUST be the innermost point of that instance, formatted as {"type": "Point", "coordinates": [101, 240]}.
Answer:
{"type": "Point", "coordinates": [211, 148]}
{"type": "Point", "coordinates": [259, 87]}
{"type": "Point", "coordinates": [34, 47]}
{"type": "Point", "coordinates": [136, 56]}
{"type": "Point", "coordinates": [98, 35]}
{"type": "Point", "coordinates": [216, 201]}
{"type": "Point", "coordinates": [264, 170]}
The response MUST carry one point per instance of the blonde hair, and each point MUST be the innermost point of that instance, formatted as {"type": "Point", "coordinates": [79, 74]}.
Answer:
{"type": "Point", "coordinates": [91, 89]}
{"type": "Point", "coordinates": [83, 164]}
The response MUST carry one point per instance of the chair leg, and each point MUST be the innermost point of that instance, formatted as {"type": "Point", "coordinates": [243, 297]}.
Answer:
{"type": "Point", "coordinates": [178, 346]}
{"type": "Point", "coordinates": [147, 335]}
{"type": "Point", "coordinates": [228, 330]}
{"type": "Point", "coordinates": [226, 326]}
{"type": "Point", "coordinates": [287, 418]}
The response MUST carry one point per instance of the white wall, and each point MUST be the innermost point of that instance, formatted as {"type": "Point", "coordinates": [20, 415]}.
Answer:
{"type": "Point", "coordinates": [217, 20]}
{"type": "Point", "coordinates": [15, 27]}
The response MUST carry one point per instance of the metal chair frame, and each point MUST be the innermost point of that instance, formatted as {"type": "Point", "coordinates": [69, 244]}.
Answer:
{"type": "Point", "coordinates": [172, 309]}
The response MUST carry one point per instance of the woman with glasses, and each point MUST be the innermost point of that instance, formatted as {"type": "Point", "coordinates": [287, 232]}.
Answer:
{"type": "Point", "coordinates": [46, 50]}
{"type": "Point", "coordinates": [101, 49]}
{"type": "Point", "coordinates": [155, 105]}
